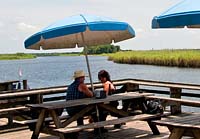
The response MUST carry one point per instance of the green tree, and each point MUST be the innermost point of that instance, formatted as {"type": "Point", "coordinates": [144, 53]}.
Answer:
{"type": "Point", "coordinates": [103, 49]}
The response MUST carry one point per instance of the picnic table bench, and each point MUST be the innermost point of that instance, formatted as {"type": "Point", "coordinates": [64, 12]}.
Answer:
{"type": "Point", "coordinates": [72, 131]}
{"type": "Point", "coordinates": [61, 128]}
{"type": "Point", "coordinates": [179, 126]}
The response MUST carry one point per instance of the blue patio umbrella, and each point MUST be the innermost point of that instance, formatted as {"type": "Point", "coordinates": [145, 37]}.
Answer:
{"type": "Point", "coordinates": [80, 31]}
{"type": "Point", "coordinates": [185, 13]}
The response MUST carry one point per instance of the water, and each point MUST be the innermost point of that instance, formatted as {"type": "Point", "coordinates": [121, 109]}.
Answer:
{"type": "Point", "coordinates": [53, 71]}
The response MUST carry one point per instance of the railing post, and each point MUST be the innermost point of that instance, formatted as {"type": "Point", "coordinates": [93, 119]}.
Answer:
{"type": "Point", "coordinates": [10, 119]}
{"type": "Point", "coordinates": [175, 93]}
{"type": "Point", "coordinates": [131, 87]}
{"type": "Point", "coordinates": [36, 99]}
{"type": "Point", "coordinates": [10, 86]}
{"type": "Point", "coordinates": [25, 85]}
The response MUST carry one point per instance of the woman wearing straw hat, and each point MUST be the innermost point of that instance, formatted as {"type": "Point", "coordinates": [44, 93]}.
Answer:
{"type": "Point", "coordinates": [78, 90]}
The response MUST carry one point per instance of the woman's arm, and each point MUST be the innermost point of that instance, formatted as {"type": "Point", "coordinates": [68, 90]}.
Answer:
{"type": "Point", "coordinates": [108, 86]}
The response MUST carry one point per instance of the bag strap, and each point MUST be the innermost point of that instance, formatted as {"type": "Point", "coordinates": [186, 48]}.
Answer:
{"type": "Point", "coordinates": [109, 90]}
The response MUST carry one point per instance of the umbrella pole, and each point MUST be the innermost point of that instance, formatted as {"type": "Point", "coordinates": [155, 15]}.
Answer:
{"type": "Point", "coordinates": [88, 67]}
{"type": "Point", "coordinates": [87, 61]}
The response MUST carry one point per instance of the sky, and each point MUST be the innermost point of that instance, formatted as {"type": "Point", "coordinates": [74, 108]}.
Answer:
{"type": "Point", "coordinates": [19, 19]}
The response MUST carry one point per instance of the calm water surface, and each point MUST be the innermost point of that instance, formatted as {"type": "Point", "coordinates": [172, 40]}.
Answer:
{"type": "Point", "coordinates": [53, 71]}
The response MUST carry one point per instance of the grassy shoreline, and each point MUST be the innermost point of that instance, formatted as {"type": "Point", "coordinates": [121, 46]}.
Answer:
{"type": "Point", "coordinates": [16, 56]}
{"type": "Point", "coordinates": [175, 58]}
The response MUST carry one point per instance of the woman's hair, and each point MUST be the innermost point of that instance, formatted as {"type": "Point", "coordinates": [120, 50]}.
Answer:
{"type": "Point", "coordinates": [104, 74]}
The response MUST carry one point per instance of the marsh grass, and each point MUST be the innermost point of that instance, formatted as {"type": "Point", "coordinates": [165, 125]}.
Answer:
{"type": "Point", "coordinates": [34, 55]}
{"type": "Point", "coordinates": [16, 56]}
{"type": "Point", "coordinates": [178, 58]}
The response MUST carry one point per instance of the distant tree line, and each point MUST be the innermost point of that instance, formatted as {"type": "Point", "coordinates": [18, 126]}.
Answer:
{"type": "Point", "coordinates": [56, 54]}
{"type": "Point", "coordinates": [103, 49]}
{"type": "Point", "coordinates": [46, 54]}
{"type": "Point", "coordinates": [91, 50]}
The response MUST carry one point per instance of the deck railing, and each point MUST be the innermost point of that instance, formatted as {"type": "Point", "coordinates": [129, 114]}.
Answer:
{"type": "Point", "coordinates": [42, 95]}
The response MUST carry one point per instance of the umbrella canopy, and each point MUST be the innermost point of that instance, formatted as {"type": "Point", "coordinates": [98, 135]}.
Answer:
{"type": "Point", "coordinates": [185, 13]}
{"type": "Point", "coordinates": [80, 31]}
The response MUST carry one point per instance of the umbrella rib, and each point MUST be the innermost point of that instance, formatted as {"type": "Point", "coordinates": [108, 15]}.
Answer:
{"type": "Point", "coordinates": [84, 19]}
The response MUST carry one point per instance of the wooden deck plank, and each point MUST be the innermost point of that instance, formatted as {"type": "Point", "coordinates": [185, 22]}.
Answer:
{"type": "Point", "coordinates": [136, 129]}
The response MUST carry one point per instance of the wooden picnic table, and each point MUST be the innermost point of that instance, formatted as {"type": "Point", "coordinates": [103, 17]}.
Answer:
{"type": "Point", "coordinates": [183, 125]}
{"type": "Point", "coordinates": [49, 109]}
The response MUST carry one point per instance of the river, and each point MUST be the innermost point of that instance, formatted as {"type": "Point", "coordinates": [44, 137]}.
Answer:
{"type": "Point", "coordinates": [58, 70]}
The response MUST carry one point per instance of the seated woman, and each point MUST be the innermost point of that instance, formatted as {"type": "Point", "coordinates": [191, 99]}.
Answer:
{"type": "Point", "coordinates": [109, 89]}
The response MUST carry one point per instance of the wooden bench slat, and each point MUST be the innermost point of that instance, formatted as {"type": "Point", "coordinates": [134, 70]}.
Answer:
{"type": "Point", "coordinates": [48, 119]}
{"type": "Point", "coordinates": [13, 109]}
{"type": "Point", "coordinates": [106, 123]}
{"type": "Point", "coordinates": [163, 123]}
{"type": "Point", "coordinates": [182, 119]}
{"type": "Point", "coordinates": [191, 121]}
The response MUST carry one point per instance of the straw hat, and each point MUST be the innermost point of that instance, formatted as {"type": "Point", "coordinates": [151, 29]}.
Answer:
{"type": "Point", "coordinates": [79, 73]}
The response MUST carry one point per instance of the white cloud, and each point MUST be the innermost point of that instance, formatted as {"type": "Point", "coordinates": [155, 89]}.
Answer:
{"type": "Point", "coordinates": [17, 23]}
{"type": "Point", "coordinates": [1, 24]}
{"type": "Point", "coordinates": [26, 27]}
{"type": "Point", "coordinates": [192, 31]}
{"type": "Point", "coordinates": [139, 30]}
{"type": "Point", "coordinates": [14, 38]}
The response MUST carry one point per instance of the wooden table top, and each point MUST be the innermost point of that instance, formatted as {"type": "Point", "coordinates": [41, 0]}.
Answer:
{"type": "Point", "coordinates": [87, 101]}
{"type": "Point", "coordinates": [188, 121]}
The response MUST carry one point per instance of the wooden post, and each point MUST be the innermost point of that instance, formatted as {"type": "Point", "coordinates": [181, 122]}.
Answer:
{"type": "Point", "coordinates": [36, 99]}
{"type": "Point", "coordinates": [175, 93]}
{"type": "Point", "coordinates": [131, 87]}
{"type": "Point", "coordinates": [10, 86]}
{"type": "Point", "coordinates": [10, 119]}
{"type": "Point", "coordinates": [25, 85]}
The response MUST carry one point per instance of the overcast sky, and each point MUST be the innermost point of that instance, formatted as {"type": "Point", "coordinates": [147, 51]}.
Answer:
{"type": "Point", "coordinates": [19, 19]}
